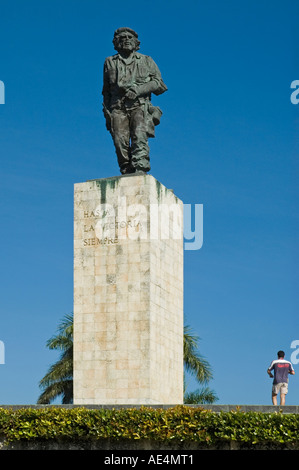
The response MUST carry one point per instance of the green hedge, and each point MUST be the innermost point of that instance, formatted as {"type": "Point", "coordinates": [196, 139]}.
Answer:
{"type": "Point", "coordinates": [180, 423]}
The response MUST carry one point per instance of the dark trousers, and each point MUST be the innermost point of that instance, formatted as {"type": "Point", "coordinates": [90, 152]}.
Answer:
{"type": "Point", "coordinates": [128, 129]}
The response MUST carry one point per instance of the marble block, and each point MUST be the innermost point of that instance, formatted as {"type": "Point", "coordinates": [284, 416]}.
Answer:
{"type": "Point", "coordinates": [128, 292]}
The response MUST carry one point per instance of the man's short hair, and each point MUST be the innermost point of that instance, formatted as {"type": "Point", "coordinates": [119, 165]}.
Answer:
{"type": "Point", "coordinates": [121, 30]}
{"type": "Point", "coordinates": [280, 354]}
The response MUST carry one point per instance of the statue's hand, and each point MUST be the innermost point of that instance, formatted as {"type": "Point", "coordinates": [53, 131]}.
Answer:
{"type": "Point", "coordinates": [131, 94]}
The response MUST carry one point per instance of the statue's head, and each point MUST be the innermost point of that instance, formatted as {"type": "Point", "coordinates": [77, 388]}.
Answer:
{"type": "Point", "coordinates": [125, 39]}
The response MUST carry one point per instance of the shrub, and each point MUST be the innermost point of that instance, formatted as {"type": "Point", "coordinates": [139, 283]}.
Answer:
{"type": "Point", "coordinates": [180, 423]}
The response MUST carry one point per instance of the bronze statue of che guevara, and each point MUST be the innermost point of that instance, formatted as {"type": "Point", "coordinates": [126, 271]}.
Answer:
{"type": "Point", "coordinates": [129, 80]}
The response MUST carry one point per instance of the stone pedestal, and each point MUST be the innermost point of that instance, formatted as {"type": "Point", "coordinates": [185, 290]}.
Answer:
{"type": "Point", "coordinates": [128, 292]}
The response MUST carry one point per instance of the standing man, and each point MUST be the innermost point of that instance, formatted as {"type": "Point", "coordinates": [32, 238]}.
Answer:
{"type": "Point", "coordinates": [281, 369]}
{"type": "Point", "coordinates": [129, 80]}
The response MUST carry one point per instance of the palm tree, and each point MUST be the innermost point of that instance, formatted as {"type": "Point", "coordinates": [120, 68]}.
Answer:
{"type": "Point", "coordinates": [200, 396]}
{"type": "Point", "coordinates": [199, 367]}
{"type": "Point", "coordinates": [59, 379]}
{"type": "Point", "coordinates": [194, 362]}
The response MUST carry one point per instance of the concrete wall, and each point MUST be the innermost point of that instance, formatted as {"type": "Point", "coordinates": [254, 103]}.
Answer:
{"type": "Point", "coordinates": [108, 446]}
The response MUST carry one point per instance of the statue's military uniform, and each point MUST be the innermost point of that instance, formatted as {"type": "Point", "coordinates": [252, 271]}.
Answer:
{"type": "Point", "coordinates": [131, 119]}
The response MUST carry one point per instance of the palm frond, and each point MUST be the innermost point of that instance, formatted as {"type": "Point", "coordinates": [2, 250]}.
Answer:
{"type": "Point", "coordinates": [58, 381]}
{"type": "Point", "coordinates": [200, 396]}
{"type": "Point", "coordinates": [63, 388]}
{"type": "Point", "coordinates": [194, 362]}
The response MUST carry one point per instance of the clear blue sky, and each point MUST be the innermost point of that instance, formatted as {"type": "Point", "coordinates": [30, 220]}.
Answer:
{"type": "Point", "coordinates": [227, 140]}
